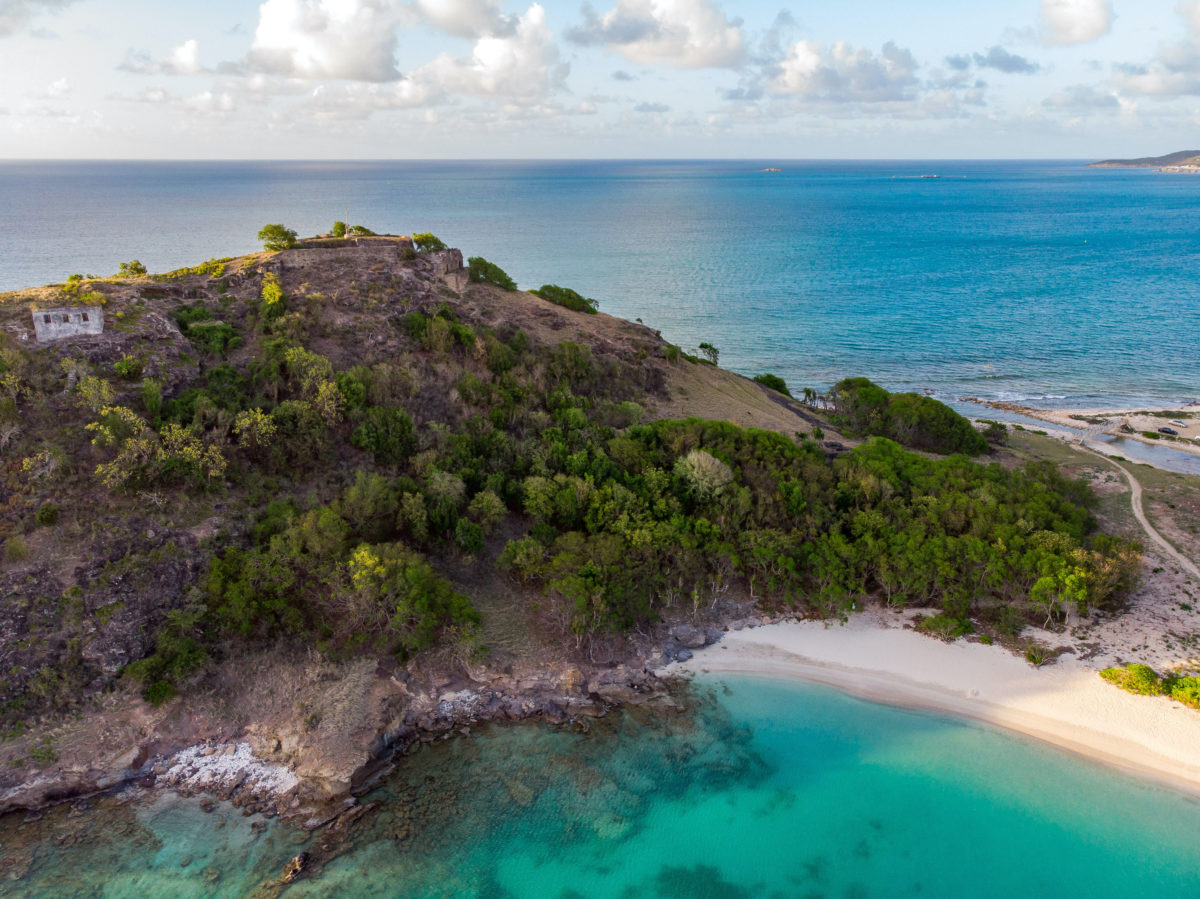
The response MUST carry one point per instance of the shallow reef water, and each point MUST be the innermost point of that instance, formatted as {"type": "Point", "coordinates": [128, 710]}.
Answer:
{"type": "Point", "coordinates": [747, 787]}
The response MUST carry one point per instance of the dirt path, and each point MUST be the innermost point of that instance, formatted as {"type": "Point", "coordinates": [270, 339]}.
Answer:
{"type": "Point", "coordinates": [1135, 498]}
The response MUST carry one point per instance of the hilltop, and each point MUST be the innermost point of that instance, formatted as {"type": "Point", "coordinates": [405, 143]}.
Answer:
{"type": "Point", "coordinates": [335, 499]}
{"type": "Point", "coordinates": [1179, 158]}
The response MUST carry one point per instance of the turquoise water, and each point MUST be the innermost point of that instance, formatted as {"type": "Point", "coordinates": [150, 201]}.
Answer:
{"type": "Point", "coordinates": [1031, 281]}
{"type": "Point", "coordinates": [760, 788]}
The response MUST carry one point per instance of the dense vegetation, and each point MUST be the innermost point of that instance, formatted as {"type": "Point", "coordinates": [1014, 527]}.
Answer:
{"type": "Point", "coordinates": [773, 382]}
{"type": "Point", "coordinates": [359, 489]}
{"type": "Point", "coordinates": [865, 408]}
{"type": "Point", "coordinates": [480, 271]}
{"type": "Point", "coordinates": [567, 298]}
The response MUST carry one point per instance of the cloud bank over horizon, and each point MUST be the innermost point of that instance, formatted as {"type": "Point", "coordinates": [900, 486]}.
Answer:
{"type": "Point", "coordinates": [480, 78]}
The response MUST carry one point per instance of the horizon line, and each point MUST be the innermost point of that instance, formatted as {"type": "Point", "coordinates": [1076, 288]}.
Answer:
{"type": "Point", "coordinates": [496, 159]}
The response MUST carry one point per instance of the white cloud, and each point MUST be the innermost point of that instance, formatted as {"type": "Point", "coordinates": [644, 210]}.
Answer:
{"type": "Point", "coordinates": [211, 102]}
{"type": "Point", "coordinates": [1083, 97]}
{"type": "Point", "coordinates": [60, 87]}
{"type": "Point", "coordinates": [153, 95]}
{"type": "Point", "coordinates": [16, 14]}
{"type": "Point", "coordinates": [1076, 21]}
{"type": "Point", "coordinates": [690, 34]}
{"type": "Point", "coordinates": [844, 73]}
{"type": "Point", "coordinates": [466, 18]}
{"type": "Point", "coordinates": [184, 60]}
{"type": "Point", "coordinates": [522, 64]}
{"type": "Point", "coordinates": [350, 39]}
{"type": "Point", "coordinates": [1190, 11]}
{"type": "Point", "coordinates": [1174, 71]}
{"type": "Point", "coordinates": [520, 70]}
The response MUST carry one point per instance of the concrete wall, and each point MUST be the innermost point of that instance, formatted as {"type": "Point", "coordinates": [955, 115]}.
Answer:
{"type": "Point", "coordinates": [67, 321]}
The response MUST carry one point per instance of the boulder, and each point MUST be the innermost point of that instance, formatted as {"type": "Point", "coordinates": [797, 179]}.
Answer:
{"type": "Point", "coordinates": [687, 636]}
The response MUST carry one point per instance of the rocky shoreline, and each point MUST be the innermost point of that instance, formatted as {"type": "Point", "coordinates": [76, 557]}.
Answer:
{"type": "Point", "coordinates": [240, 770]}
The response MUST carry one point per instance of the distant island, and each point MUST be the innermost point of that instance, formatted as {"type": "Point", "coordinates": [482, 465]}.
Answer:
{"type": "Point", "coordinates": [1181, 160]}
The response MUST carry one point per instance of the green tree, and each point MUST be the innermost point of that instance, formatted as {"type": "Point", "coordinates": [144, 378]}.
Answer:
{"type": "Point", "coordinates": [773, 382]}
{"type": "Point", "coordinates": [427, 243]}
{"type": "Point", "coordinates": [277, 237]}
{"type": "Point", "coordinates": [480, 271]}
{"type": "Point", "coordinates": [709, 352]}
{"type": "Point", "coordinates": [131, 269]}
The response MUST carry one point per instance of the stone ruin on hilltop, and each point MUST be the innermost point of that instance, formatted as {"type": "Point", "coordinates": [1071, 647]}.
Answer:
{"type": "Point", "coordinates": [67, 321]}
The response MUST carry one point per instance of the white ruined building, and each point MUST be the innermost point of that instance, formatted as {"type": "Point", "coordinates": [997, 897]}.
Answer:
{"type": "Point", "coordinates": [67, 321]}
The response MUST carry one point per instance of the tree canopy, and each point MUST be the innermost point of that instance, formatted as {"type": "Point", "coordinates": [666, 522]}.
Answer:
{"type": "Point", "coordinates": [277, 237]}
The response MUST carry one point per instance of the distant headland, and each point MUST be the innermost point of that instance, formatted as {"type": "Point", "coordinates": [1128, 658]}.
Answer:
{"type": "Point", "coordinates": [1183, 160]}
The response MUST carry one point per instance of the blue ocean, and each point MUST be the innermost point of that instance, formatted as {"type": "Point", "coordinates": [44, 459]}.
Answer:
{"type": "Point", "coordinates": [1041, 282]}
{"type": "Point", "coordinates": [756, 788]}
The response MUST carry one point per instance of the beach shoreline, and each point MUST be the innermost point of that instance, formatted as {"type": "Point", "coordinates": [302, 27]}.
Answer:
{"type": "Point", "coordinates": [1130, 424]}
{"type": "Point", "coordinates": [1066, 704]}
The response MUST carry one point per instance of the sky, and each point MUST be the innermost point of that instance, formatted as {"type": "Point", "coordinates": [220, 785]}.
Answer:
{"type": "Point", "coordinates": [478, 79]}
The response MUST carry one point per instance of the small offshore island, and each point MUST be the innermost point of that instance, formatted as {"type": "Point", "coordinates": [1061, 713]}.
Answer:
{"type": "Point", "coordinates": [276, 522]}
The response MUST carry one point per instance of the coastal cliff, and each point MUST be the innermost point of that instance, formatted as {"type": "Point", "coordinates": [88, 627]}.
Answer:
{"type": "Point", "coordinates": [99, 576]}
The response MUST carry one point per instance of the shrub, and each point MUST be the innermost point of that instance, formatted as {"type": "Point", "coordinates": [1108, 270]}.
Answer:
{"type": "Point", "coordinates": [1186, 690]}
{"type": "Point", "coordinates": [995, 433]}
{"type": "Point", "coordinates": [273, 304]}
{"type": "Point", "coordinates": [46, 515]}
{"type": "Point", "coordinates": [215, 338]}
{"type": "Point", "coordinates": [415, 324]}
{"type": "Point", "coordinates": [1139, 679]}
{"type": "Point", "coordinates": [15, 549]}
{"type": "Point", "coordinates": [480, 271]}
{"type": "Point", "coordinates": [198, 325]}
{"type": "Point", "coordinates": [159, 692]}
{"type": "Point", "coordinates": [131, 269]}
{"type": "Point", "coordinates": [94, 393]}
{"type": "Point", "coordinates": [945, 626]}
{"type": "Point", "coordinates": [468, 535]}
{"type": "Point", "coordinates": [277, 237]}
{"type": "Point", "coordinates": [386, 433]}
{"type": "Point", "coordinates": [338, 229]}
{"type": "Point", "coordinates": [773, 382]}
{"type": "Point", "coordinates": [128, 368]}
{"type": "Point", "coordinates": [427, 243]}
{"type": "Point", "coordinates": [254, 429]}
{"type": "Point", "coordinates": [177, 654]}
{"type": "Point", "coordinates": [417, 600]}
{"type": "Point", "coordinates": [214, 268]}
{"type": "Point", "coordinates": [566, 297]}
{"type": "Point", "coordinates": [704, 474]}
{"type": "Point", "coordinates": [487, 509]}
{"type": "Point", "coordinates": [361, 231]}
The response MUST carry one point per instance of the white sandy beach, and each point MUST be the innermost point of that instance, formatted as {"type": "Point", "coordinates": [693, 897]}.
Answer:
{"type": "Point", "coordinates": [1065, 703]}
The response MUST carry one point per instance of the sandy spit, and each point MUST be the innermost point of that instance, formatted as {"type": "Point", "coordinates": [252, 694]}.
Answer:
{"type": "Point", "coordinates": [1065, 704]}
